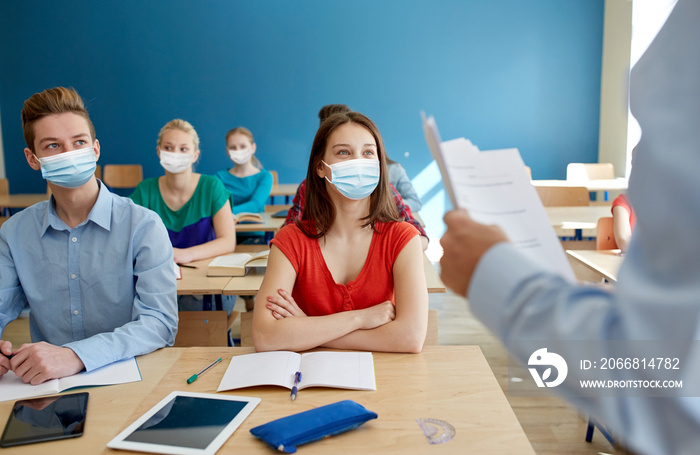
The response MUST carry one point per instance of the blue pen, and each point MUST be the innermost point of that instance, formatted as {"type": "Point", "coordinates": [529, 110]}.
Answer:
{"type": "Point", "coordinates": [297, 380]}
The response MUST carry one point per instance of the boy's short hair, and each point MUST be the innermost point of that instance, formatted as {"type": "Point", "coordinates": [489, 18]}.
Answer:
{"type": "Point", "coordinates": [55, 100]}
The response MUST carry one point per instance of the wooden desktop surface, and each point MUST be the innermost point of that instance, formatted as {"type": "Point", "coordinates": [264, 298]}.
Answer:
{"type": "Point", "coordinates": [604, 263]}
{"type": "Point", "coordinates": [269, 224]}
{"type": "Point", "coordinates": [450, 383]}
{"type": "Point", "coordinates": [284, 189]}
{"type": "Point", "coordinates": [618, 184]}
{"type": "Point", "coordinates": [250, 284]}
{"type": "Point", "coordinates": [18, 201]}
{"type": "Point", "coordinates": [567, 219]}
{"type": "Point", "coordinates": [196, 281]}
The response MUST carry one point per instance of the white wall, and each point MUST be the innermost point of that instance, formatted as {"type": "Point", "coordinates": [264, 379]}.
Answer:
{"type": "Point", "coordinates": [617, 38]}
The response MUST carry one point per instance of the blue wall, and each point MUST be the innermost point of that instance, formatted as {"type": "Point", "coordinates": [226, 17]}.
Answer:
{"type": "Point", "coordinates": [504, 73]}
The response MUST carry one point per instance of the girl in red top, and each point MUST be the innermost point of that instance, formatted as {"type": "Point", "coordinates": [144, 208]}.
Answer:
{"type": "Point", "coordinates": [624, 220]}
{"type": "Point", "coordinates": [349, 274]}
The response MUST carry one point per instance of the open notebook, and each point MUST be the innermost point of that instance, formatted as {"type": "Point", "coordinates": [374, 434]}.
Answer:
{"type": "Point", "coordinates": [12, 387]}
{"type": "Point", "coordinates": [343, 370]}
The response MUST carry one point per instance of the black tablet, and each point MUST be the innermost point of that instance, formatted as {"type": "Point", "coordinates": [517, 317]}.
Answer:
{"type": "Point", "coordinates": [45, 419]}
{"type": "Point", "coordinates": [280, 214]}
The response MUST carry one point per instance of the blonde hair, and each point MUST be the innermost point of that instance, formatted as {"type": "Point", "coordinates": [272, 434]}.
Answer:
{"type": "Point", "coordinates": [182, 125]}
{"type": "Point", "coordinates": [52, 101]}
{"type": "Point", "coordinates": [245, 132]}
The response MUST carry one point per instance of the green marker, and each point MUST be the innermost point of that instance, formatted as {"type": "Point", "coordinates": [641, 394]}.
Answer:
{"type": "Point", "coordinates": [195, 376]}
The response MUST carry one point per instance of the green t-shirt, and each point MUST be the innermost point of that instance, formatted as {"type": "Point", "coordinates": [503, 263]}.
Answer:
{"type": "Point", "coordinates": [192, 224]}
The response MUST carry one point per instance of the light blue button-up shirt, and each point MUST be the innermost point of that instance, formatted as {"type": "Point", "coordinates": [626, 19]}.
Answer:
{"type": "Point", "coordinates": [657, 296]}
{"type": "Point", "coordinates": [106, 288]}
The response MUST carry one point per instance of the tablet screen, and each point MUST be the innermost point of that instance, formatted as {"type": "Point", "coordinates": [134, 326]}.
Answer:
{"type": "Point", "coordinates": [45, 419]}
{"type": "Point", "coordinates": [186, 423]}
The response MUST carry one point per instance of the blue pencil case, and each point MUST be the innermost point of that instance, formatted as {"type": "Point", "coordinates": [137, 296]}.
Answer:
{"type": "Point", "coordinates": [287, 433]}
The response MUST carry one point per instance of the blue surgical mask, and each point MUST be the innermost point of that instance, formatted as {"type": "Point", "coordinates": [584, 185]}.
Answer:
{"type": "Point", "coordinates": [69, 169]}
{"type": "Point", "coordinates": [355, 179]}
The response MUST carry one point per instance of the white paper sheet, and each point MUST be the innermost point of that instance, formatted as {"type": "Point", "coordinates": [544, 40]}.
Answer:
{"type": "Point", "coordinates": [494, 187]}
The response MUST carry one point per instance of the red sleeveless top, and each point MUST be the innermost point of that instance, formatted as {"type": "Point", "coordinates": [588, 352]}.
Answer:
{"type": "Point", "coordinates": [315, 290]}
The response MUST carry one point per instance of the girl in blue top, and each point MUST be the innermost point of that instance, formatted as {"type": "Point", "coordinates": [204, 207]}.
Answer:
{"type": "Point", "coordinates": [194, 207]}
{"type": "Point", "coordinates": [247, 182]}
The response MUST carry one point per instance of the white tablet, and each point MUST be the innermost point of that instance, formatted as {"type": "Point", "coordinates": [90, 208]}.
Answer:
{"type": "Point", "coordinates": [186, 423]}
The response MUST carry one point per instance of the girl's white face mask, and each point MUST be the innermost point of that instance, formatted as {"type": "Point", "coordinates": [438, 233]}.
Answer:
{"type": "Point", "coordinates": [240, 156]}
{"type": "Point", "coordinates": [174, 162]}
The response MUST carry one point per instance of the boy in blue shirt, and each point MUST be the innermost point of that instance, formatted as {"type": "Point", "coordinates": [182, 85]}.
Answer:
{"type": "Point", "coordinates": [95, 269]}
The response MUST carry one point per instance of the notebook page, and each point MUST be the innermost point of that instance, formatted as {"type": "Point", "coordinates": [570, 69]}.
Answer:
{"type": "Point", "coordinates": [344, 370]}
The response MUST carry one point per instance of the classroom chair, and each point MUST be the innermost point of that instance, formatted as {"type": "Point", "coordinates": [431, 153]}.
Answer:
{"type": "Point", "coordinates": [563, 196]}
{"type": "Point", "coordinates": [204, 328]}
{"type": "Point", "coordinates": [275, 177]}
{"type": "Point", "coordinates": [592, 425]}
{"type": "Point", "coordinates": [431, 338]}
{"type": "Point", "coordinates": [4, 191]}
{"type": "Point", "coordinates": [590, 171]}
{"type": "Point", "coordinates": [122, 176]}
{"type": "Point", "coordinates": [605, 235]}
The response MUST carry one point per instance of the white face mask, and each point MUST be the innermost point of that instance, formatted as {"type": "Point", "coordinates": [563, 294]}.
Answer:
{"type": "Point", "coordinates": [240, 156]}
{"type": "Point", "coordinates": [174, 162]}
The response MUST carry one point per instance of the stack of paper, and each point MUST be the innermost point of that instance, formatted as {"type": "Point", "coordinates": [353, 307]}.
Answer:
{"type": "Point", "coordinates": [494, 187]}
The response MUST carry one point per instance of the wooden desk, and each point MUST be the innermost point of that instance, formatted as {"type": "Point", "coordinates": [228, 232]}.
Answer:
{"type": "Point", "coordinates": [196, 281]}
{"type": "Point", "coordinates": [269, 224]}
{"type": "Point", "coordinates": [432, 277]}
{"type": "Point", "coordinates": [250, 284]}
{"type": "Point", "coordinates": [577, 221]}
{"type": "Point", "coordinates": [20, 201]}
{"type": "Point", "coordinates": [109, 409]}
{"type": "Point", "coordinates": [619, 184]}
{"type": "Point", "coordinates": [603, 263]}
{"type": "Point", "coordinates": [450, 383]}
{"type": "Point", "coordinates": [284, 189]}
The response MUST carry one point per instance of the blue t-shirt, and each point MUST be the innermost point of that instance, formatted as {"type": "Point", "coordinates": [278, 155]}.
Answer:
{"type": "Point", "coordinates": [248, 194]}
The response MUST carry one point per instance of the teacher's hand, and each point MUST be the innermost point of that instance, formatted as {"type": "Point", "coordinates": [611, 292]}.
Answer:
{"type": "Point", "coordinates": [464, 243]}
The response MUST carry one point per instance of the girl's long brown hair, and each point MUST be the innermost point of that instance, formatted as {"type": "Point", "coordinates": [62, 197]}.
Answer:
{"type": "Point", "coordinates": [318, 206]}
